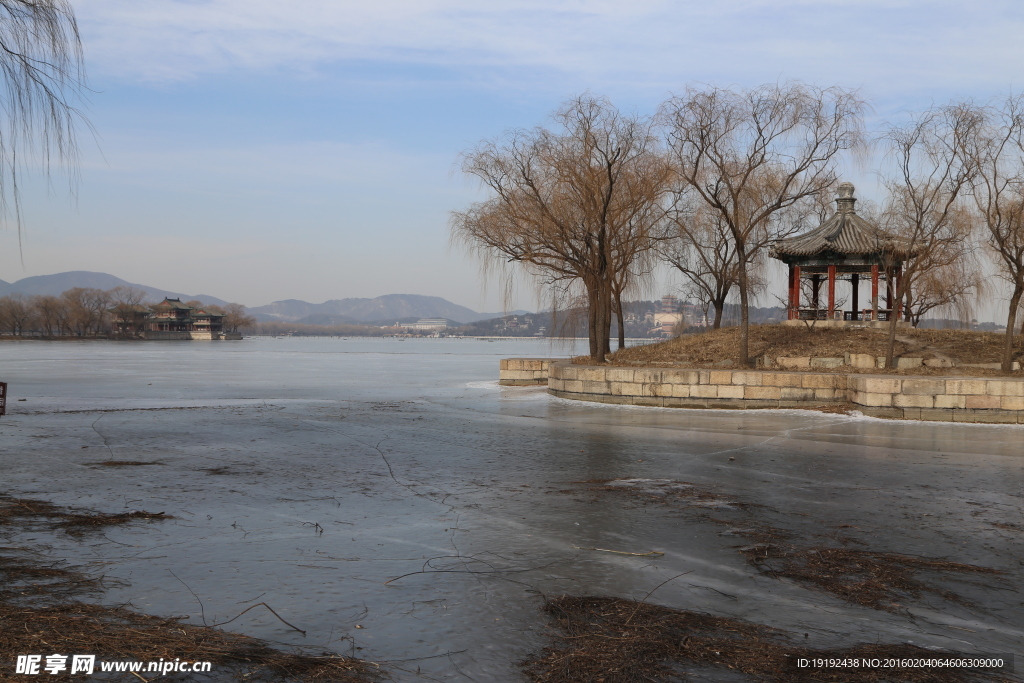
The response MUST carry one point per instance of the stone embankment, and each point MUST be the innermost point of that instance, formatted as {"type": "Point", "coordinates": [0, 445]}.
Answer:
{"type": "Point", "coordinates": [518, 372]}
{"type": "Point", "coordinates": [866, 361]}
{"type": "Point", "coordinates": [956, 399]}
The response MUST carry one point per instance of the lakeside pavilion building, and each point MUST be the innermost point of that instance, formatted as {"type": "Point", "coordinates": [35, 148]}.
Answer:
{"type": "Point", "coordinates": [845, 247]}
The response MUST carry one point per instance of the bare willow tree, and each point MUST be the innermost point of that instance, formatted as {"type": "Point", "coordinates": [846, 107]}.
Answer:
{"type": "Point", "coordinates": [949, 279]}
{"type": "Point", "coordinates": [699, 244]}
{"type": "Point", "coordinates": [129, 315]}
{"type": "Point", "coordinates": [576, 207]}
{"type": "Point", "coordinates": [43, 76]}
{"type": "Point", "coordinates": [88, 310]}
{"type": "Point", "coordinates": [16, 313]}
{"type": "Point", "coordinates": [50, 314]}
{"type": "Point", "coordinates": [751, 156]}
{"type": "Point", "coordinates": [925, 210]}
{"type": "Point", "coordinates": [633, 245]}
{"type": "Point", "coordinates": [235, 318]}
{"type": "Point", "coordinates": [997, 151]}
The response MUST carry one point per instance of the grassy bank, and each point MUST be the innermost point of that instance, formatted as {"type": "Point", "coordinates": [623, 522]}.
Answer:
{"type": "Point", "coordinates": [720, 348]}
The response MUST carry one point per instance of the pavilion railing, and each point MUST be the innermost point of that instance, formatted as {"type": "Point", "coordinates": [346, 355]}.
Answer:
{"type": "Point", "coordinates": [822, 314]}
{"type": "Point", "coordinates": [813, 314]}
{"type": "Point", "coordinates": [883, 314]}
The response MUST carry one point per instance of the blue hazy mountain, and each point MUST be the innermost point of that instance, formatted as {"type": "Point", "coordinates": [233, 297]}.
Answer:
{"type": "Point", "coordinates": [61, 282]}
{"type": "Point", "coordinates": [380, 310]}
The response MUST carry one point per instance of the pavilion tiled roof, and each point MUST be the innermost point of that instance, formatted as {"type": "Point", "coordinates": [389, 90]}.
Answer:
{"type": "Point", "coordinates": [173, 303]}
{"type": "Point", "coordinates": [843, 233]}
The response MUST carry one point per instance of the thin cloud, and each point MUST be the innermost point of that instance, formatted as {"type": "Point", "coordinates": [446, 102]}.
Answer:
{"type": "Point", "coordinates": [662, 44]}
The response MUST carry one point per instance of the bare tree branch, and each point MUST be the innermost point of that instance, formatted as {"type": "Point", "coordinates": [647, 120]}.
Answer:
{"type": "Point", "coordinates": [577, 207]}
{"type": "Point", "coordinates": [753, 156]}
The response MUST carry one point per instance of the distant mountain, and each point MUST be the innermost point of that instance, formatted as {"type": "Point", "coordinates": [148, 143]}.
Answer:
{"type": "Point", "coordinates": [61, 282]}
{"type": "Point", "coordinates": [382, 310]}
{"type": "Point", "coordinates": [325, 319]}
{"type": "Point", "coordinates": [390, 307]}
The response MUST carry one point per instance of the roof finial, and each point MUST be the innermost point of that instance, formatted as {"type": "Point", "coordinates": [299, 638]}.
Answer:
{"type": "Point", "coordinates": [845, 200]}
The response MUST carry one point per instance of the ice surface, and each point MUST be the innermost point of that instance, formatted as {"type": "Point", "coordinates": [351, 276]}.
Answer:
{"type": "Point", "coordinates": [417, 465]}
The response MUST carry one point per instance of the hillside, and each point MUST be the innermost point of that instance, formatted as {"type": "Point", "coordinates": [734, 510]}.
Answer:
{"type": "Point", "coordinates": [381, 310]}
{"type": "Point", "coordinates": [389, 308]}
{"type": "Point", "coordinates": [60, 282]}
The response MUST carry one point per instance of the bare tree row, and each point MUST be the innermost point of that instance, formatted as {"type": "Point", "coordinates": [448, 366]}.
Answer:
{"type": "Point", "coordinates": [87, 312]}
{"type": "Point", "coordinates": [709, 183]}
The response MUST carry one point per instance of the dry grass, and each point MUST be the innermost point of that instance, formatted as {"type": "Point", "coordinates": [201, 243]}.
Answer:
{"type": "Point", "coordinates": [114, 633]}
{"type": "Point", "coordinates": [41, 612]}
{"type": "Point", "coordinates": [666, 491]}
{"type": "Point", "coordinates": [720, 348]}
{"type": "Point", "coordinates": [27, 579]}
{"type": "Point", "coordinates": [611, 640]}
{"type": "Point", "coordinates": [70, 521]}
{"type": "Point", "coordinates": [871, 579]}
{"type": "Point", "coordinates": [875, 579]}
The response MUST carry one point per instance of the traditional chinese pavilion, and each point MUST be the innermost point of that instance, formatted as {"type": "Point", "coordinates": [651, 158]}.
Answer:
{"type": "Point", "coordinates": [844, 248]}
{"type": "Point", "coordinates": [170, 315]}
{"type": "Point", "coordinates": [171, 319]}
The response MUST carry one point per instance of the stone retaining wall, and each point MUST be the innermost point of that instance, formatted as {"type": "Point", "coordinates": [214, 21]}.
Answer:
{"type": "Point", "coordinates": [524, 371]}
{"type": "Point", "coordinates": [866, 361]}
{"type": "Point", "coordinates": [189, 336]}
{"type": "Point", "coordinates": [960, 399]}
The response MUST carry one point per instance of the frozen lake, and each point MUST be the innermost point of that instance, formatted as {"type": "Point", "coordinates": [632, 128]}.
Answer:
{"type": "Point", "coordinates": [311, 473]}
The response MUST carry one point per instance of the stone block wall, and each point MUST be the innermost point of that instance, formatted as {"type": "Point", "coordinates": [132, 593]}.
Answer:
{"type": "Point", "coordinates": [957, 399]}
{"type": "Point", "coordinates": [864, 361]}
{"type": "Point", "coordinates": [524, 371]}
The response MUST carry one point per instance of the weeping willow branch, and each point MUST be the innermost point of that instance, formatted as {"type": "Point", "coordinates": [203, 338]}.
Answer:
{"type": "Point", "coordinates": [43, 78]}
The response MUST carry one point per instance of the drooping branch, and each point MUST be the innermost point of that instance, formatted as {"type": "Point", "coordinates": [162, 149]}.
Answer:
{"type": "Point", "coordinates": [43, 79]}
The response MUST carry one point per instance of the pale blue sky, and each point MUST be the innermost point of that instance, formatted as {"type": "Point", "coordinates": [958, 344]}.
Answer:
{"type": "Point", "coordinates": [259, 150]}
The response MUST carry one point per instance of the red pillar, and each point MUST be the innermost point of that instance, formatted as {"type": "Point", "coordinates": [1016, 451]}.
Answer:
{"type": "Point", "coordinates": [874, 292]}
{"type": "Point", "coordinates": [831, 290]}
{"type": "Point", "coordinates": [855, 295]}
{"type": "Point", "coordinates": [789, 309]}
{"type": "Point", "coordinates": [796, 291]}
{"type": "Point", "coordinates": [898, 308]}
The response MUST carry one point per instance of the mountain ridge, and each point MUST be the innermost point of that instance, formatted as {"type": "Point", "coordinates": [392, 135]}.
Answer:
{"type": "Point", "coordinates": [352, 310]}
{"type": "Point", "coordinates": [54, 284]}
{"type": "Point", "coordinates": [366, 310]}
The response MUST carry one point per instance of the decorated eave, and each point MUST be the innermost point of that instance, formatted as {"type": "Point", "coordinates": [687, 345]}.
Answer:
{"type": "Point", "coordinates": [173, 303]}
{"type": "Point", "coordinates": [843, 235]}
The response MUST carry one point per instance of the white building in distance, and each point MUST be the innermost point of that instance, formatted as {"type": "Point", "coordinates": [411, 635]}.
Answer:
{"type": "Point", "coordinates": [431, 324]}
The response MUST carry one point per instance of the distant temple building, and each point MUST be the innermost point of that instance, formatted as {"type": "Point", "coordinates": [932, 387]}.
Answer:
{"type": "Point", "coordinates": [669, 317]}
{"type": "Point", "coordinates": [171, 319]}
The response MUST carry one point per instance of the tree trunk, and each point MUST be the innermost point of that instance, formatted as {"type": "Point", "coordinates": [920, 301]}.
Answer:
{"type": "Point", "coordinates": [894, 317]}
{"type": "Point", "coordinates": [1011, 320]}
{"type": "Point", "coordinates": [599, 298]}
{"type": "Point", "coordinates": [744, 360]}
{"type": "Point", "coordinates": [593, 330]}
{"type": "Point", "coordinates": [719, 310]}
{"type": "Point", "coordinates": [606, 320]}
{"type": "Point", "coordinates": [618, 317]}
{"type": "Point", "coordinates": [616, 310]}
